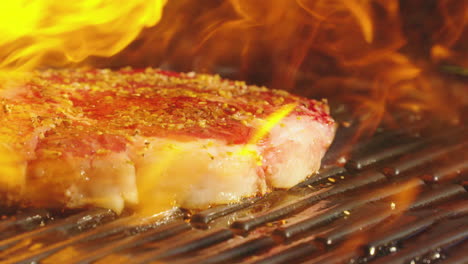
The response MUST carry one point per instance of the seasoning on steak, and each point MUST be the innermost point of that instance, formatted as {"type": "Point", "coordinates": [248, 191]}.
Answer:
{"type": "Point", "coordinates": [153, 139]}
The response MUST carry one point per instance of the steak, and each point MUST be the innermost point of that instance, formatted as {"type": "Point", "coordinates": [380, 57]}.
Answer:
{"type": "Point", "coordinates": [151, 139]}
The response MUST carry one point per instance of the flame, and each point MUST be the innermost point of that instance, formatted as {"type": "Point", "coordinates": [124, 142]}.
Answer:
{"type": "Point", "coordinates": [154, 175]}
{"type": "Point", "coordinates": [270, 122]}
{"type": "Point", "coordinates": [154, 192]}
{"type": "Point", "coordinates": [12, 175]}
{"type": "Point", "coordinates": [12, 167]}
{"type": "Point", "coordinates": [379, 55]}
{"type": "Point", "coordinates": [38, 33]}
{"type": "Point", "coordinates": [48, 33]}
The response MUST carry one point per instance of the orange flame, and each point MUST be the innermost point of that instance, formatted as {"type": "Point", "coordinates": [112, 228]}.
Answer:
{"type": "Point", "coordinates": [378, 54]}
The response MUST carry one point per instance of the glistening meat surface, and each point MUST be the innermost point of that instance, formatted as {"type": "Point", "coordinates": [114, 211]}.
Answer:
{"type": "Point", "coordinates": [152, 139]}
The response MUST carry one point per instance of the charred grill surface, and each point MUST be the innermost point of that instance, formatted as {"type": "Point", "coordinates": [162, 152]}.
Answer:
{"type": "Point", "coordinates": [399, 198]}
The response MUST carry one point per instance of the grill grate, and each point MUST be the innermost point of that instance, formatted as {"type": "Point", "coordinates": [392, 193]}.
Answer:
{"type": "Point", "coordinates": [399, 198]}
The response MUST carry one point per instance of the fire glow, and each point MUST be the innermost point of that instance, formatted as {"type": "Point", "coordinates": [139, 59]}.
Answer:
{"type": "Point", "coordinates": [44, 33]}
{"type": "Point", "coordinates": [371, 53]}
{"type": "Point", "coordinates": [365, 50]}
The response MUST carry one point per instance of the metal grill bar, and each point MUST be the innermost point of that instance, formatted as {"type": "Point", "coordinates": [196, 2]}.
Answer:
{"type": "Point", "coordinates": [361, 162]}
{"type": "Point", "coordinates": [341, 255]}
{"type": "Point", "coordinates": [43, 252]}
{"type": "Point", "coordinates": [402, 231]}
{"type": "Point", "coordinates": [458, 255]}
{"type": "Point", "coordinates": [421, 158]}
{"type": "Point", "coordinates": [291, 254]}
{"type": "Point", "coordinates": [455, 235]}
{"type": "Point", "coordinates": [335, 216]}
{"type": "Point", "coordinates": [156, 234]}
{"type": "Point", "coordinates": [23, 222]}
{"type": "Point", "coordinates": [218, 236]}
{"type": "Point", "coordinates": [322, 175]}
{"type": "Point", "coordinates": [246, 249]}
{"type": "Point", "coordinates": [54, 232]}
{"type": "Point", "coordinates": [296, 229]}
{"type": "Point", "coordinates": [448, 172]}
{"type": "Point", "coordinates": [352, 184]}
{"type": "Point", "coordinates": [203, 218]}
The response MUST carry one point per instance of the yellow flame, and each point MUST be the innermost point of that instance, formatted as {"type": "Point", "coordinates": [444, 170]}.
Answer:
{"type": "Point", "coordinates": [362, 14]}
{"type": "Point", "coordinates": [151, 176]}
{"type": "Point", "coordinates": [12, 168]}
{"type": "Point", "coordinates": [270, 122]}
{"type": "Point", "coordinates": [54, 33]}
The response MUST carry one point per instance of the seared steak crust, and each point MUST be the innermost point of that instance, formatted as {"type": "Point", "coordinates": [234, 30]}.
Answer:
{"type": "Point", "coordinates": [110, 138]}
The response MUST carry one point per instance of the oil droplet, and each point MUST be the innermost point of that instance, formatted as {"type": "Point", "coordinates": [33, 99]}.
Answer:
{"type": "Point", "coordinates": [392, 205]}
